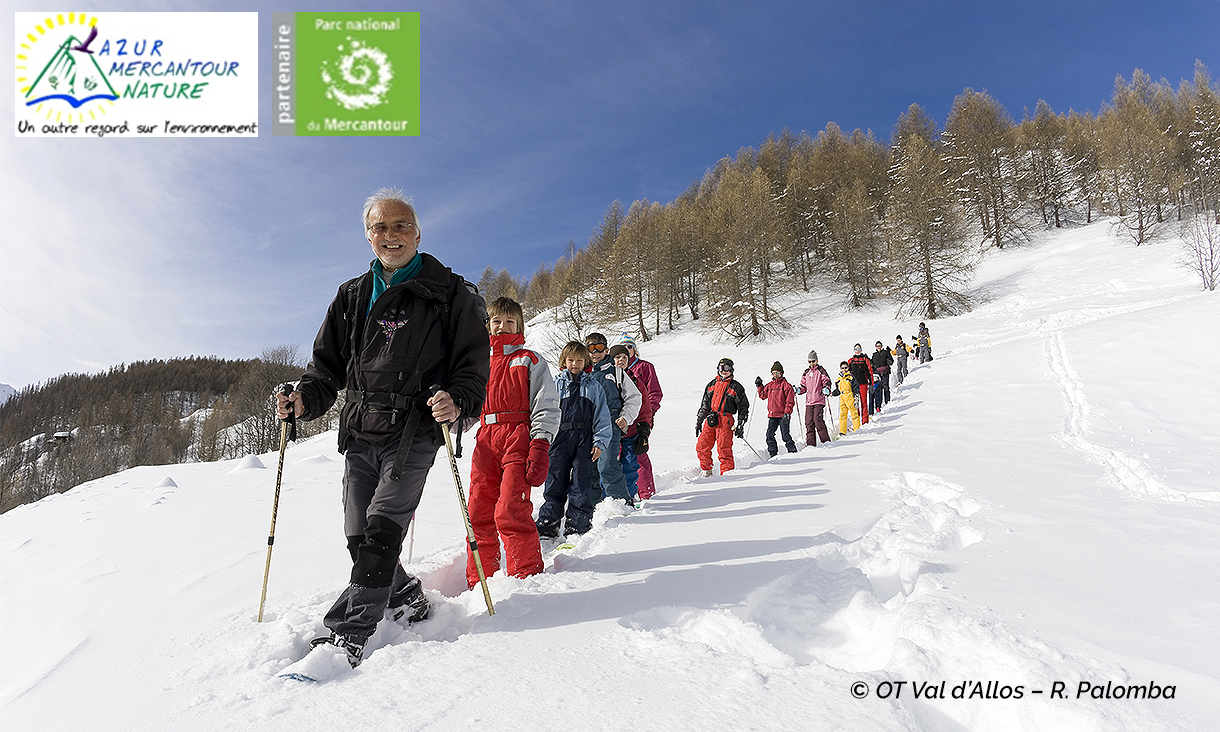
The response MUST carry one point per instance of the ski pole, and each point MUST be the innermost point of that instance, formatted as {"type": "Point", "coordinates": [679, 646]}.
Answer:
{"type": "Point", "coordinates": [754, 409]}
{"type": "Point", "coordinates": [411, 543]}
{"type": "Point", "coordinates": [756, 452]}
{"type": "Point", "coordinates": [470, 540]}
{"type": "Point", "coordinates": [285, 389]}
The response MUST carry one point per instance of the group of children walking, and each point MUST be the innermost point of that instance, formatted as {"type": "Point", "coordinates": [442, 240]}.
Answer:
{"type": "Point", "coordinates": [862, 386]}
{"type": "Point", "coordinates": [583, 435]}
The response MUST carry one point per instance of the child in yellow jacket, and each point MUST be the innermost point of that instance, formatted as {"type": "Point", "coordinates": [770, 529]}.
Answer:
{"type": "Point", "coordinates": [845, 389]}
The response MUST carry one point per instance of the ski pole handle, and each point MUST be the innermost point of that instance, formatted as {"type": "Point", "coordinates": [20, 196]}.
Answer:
{"type": "Point", "coordinates": [291, 420]}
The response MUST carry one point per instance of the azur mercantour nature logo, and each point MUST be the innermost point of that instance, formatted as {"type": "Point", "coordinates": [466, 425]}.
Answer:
{"type": "Point", "coordinates": [136, 74]}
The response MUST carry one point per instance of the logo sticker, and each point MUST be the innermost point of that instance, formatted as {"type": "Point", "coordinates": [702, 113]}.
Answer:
{"type": "Point", "coordinates": [136, 74]}
{"type": "Point", "coordinates": [346, 73]}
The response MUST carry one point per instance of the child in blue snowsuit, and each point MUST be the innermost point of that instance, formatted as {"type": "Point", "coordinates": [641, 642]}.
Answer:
{"type": "Point", "coordinates": [584, 432]}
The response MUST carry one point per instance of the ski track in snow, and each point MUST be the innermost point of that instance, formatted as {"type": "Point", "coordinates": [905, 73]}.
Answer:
{"type": "Point", "coordinates": [1129, 471]}
{"type": "Point", "coordinates": [1019, 329]}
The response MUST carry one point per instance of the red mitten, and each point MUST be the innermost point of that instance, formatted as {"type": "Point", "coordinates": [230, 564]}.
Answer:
{"type": "Point", "coordinates": [538, 463]}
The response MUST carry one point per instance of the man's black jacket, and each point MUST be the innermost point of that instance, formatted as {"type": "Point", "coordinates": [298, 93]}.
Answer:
{"type": "Point", "coordinates": [425, 331]}
{"type": "Point", "coordinates": [882, 360]}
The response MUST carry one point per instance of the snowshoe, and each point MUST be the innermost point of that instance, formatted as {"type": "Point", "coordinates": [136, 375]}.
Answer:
{"type": "Point", "coordinates": [411, 607]}
{"type": "Point", "coordinates": [328, 657]}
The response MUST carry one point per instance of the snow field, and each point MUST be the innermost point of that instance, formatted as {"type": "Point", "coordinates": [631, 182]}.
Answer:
{"type": "Point", "coordinates": [1036, 505]}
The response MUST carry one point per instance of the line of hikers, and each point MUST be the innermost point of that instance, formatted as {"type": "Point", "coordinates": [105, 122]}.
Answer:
{"type": "Point", "coordinates": [583, 435]}
{"type": "Point", "coordinates": [412, 348]}
{"type": "Point", "coordinates": [863, 387]}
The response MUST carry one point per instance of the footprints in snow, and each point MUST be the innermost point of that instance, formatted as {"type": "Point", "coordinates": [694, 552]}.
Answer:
{"type": "Point", "coordinates": [848, 607]}
{"type": "Point", "coordinates": [1131, 473]}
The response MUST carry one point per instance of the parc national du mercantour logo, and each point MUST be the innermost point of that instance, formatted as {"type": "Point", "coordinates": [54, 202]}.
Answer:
{"type": "Point", "coordinates": [359, 77]}
{"type": "Point", "coordinates": [58, 70]}
{"type": "Point", "coordinates": [347, 73]}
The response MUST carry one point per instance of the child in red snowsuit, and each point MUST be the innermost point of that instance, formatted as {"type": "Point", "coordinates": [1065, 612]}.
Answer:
{"type": "Point", "coordinates": [519, 421]}
{"type": "Point", "coordinates": [723, 398]}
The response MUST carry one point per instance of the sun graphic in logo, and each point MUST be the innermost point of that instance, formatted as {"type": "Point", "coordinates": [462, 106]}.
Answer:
{"type": "Point", "coordinates": [57, 74]}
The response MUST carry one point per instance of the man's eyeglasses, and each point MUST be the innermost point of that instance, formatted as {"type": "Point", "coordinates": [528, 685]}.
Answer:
{"type": "Point", "coordinates": [398, 227]}
{"type": "Point", "coordinates": [597, 348]}
{"type": "Point", "coordinates": [726, 370]}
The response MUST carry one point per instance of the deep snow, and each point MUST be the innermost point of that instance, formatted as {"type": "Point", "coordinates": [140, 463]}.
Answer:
{"type": "Point", "coordinates": [1036, 505]}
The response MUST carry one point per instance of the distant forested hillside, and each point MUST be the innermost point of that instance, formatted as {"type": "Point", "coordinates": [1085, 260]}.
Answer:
{"type": "Point", "coordinates": [77, 427]}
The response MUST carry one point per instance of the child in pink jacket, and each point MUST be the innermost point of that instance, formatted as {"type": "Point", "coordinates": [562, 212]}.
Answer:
{"type": "Point", "coordinates": [815, 385]}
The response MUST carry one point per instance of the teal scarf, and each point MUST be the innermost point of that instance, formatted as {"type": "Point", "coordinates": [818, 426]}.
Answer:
{"type": "Point", "coordinates": [400, 276]}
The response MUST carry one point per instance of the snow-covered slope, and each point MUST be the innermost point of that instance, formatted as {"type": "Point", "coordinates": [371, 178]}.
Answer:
{"type": "Point", "coordinates": [6, 392]}
{"type": "Point", "coordinates": [1036, 507]}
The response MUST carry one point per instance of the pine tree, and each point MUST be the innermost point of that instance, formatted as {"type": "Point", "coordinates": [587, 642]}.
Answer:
{"type": "Point", "coordinates": [1041, 142]}
{"type": "Point", "coordinates": [1081, 149]}
{"type": "Point", "coordinates": [1136, 155]}
{"type": "Point", "coordinates": [927, 234]}
{"type": "Point", "coordinates": [979, 147]}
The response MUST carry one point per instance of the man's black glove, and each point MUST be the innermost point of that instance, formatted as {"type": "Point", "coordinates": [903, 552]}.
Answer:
{"type": "Point", "coordinates": [758, 381]}
{"type": "Point", "coordinates": [739, 432]}
{"type": "Point", "coordinates": [643, 429]}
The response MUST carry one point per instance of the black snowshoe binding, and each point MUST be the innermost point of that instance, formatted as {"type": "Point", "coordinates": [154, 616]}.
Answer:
{"type": "Point", "coordinates": [353, 648]}
{"type": "Point", "coordinates": [410, 607]}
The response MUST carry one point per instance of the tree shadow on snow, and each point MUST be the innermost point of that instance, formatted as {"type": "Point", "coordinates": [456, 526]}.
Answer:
{"type": "Point", "coordinates": [670, 503]}
{"type": "Point", "coordinates": [691, 517]}
{"type": "Point", "coordinates": [707, 587]}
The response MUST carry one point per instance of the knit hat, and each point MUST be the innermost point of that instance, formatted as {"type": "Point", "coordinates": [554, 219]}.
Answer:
{"type": "Point", "coordinates": [725, 362]}
{"type": "Point", "coordinates": [777, 366]}
{"type": "Point", "coordinates": [626, 340]}
{"type": "Point", "coordinates": [617, 350]}
{"type": "Point", "coordinates": [813, 355]}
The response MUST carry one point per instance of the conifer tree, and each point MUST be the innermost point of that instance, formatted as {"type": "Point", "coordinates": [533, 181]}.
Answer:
{"type": "Point", "coordinates": [1041, 141]}
{"type": "Point", "coordinates": [1083, 158]}
{"type": "Point", "coordinates": [1136, 155]}
{"type": "Point", "coordinates": [979, 148]}
{"type": "Point", "coordinates": [927, 234]}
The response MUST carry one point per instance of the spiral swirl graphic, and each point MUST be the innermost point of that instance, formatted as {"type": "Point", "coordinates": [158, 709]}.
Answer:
{"type": "Point", "coordinates": [360, 78]}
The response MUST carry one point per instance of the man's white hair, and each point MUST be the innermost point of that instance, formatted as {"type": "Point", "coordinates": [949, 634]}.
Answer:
{"type": "Point", "coordinates": [388, 193]}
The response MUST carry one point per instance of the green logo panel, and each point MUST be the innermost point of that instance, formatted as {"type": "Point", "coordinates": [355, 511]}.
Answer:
{"type": "Point", "coordinates": [357, 74]}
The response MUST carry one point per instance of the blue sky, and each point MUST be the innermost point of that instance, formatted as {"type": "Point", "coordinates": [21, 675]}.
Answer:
{"type": "Point", "coordinates": [535, 116]}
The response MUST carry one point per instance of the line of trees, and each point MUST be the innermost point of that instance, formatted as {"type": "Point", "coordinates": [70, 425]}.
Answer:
{"type": "Point", "coordinates": [78, 427]}
{"type": "Point", "coordinates": [904, 220]}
